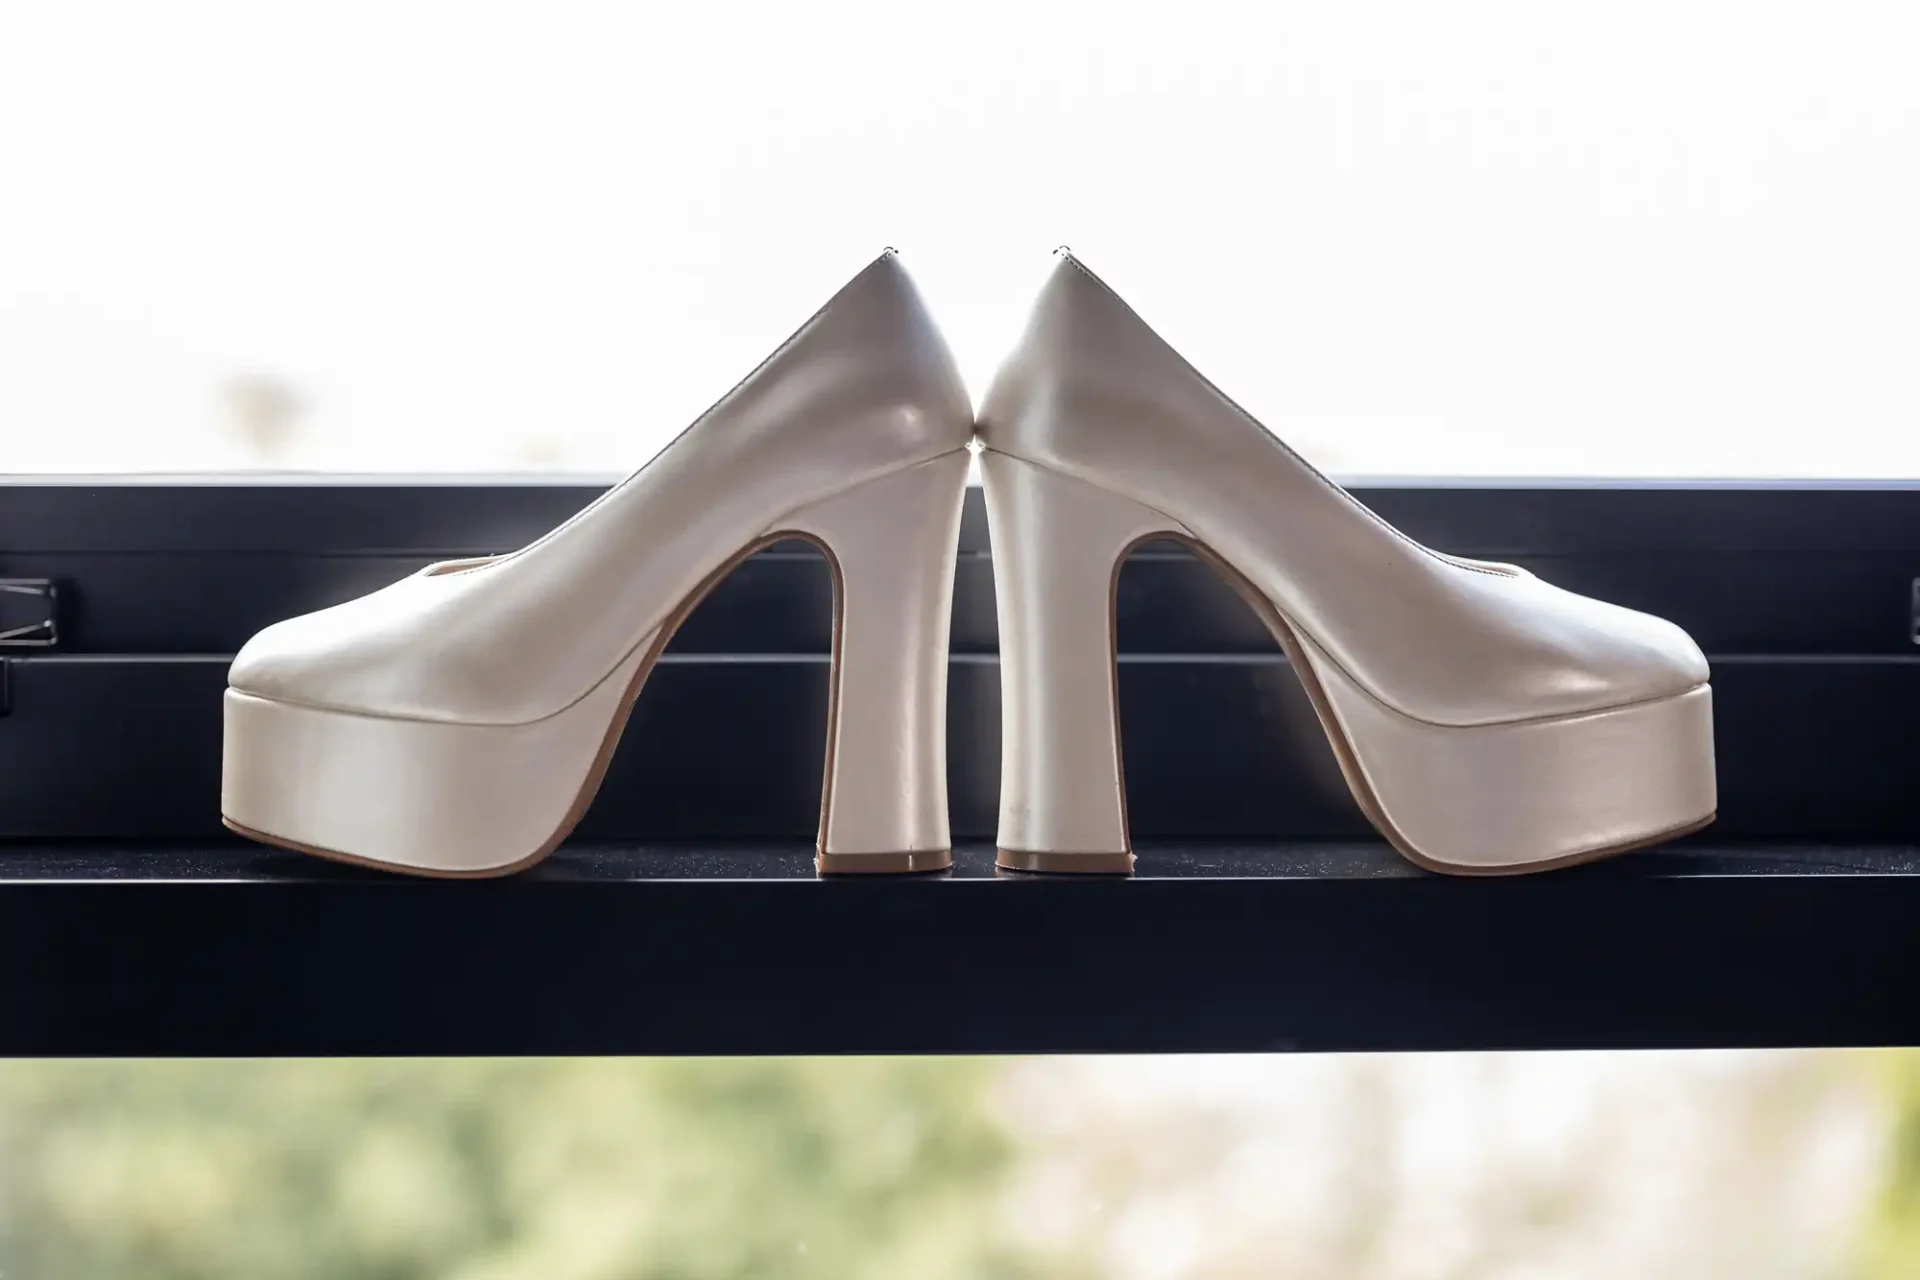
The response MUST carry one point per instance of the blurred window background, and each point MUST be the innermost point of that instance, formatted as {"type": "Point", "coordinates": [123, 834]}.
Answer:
{"type": "Point", "coordinates": [1640, 238]}
{"type": "Point", "coordinates": [1656, 1166]}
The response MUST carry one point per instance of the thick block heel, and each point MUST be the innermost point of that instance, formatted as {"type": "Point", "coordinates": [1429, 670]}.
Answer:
{"type": "Point", "coordinates": [892, 542]}
{"type": "Point", "coordinates": [1057, 548]}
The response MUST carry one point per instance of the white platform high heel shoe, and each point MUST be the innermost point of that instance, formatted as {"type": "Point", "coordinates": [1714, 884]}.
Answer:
{"type": "Point", "coordinates": [458, 722]}
{"type": "Point", "coordinates": [1485, 721]}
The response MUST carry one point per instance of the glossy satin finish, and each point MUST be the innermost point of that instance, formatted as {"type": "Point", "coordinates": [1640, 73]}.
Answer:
{"type": "Point", "coordinates": [892, 545]}
{"type": "Point", "coordinates": [1057, 546]}
{"type": "Point", "coordinates": [866, 386]}
{"type": "Point", "coordinates": [853, 433]}
{"type": "Point", "coordinates": [1099, 434]}
{"type": "Point", "coordinates": [1094, 393]}
{"type": "Point", "coordinates": [453, 799]}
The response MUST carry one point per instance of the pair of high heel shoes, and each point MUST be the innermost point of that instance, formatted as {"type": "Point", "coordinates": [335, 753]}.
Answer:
{"type": "Point", "coordinates": [459, 721]}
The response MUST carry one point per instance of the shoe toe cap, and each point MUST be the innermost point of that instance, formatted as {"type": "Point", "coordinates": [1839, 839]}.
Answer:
{"type": "Point", "coordinates": [1610, 656]}
{"type": "Point", "coordinates": [365, 655]}
{"type": "Point", "coordinates": [299, 660]}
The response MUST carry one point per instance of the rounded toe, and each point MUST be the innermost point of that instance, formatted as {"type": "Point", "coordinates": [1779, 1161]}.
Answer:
{"type": "Point", "coordinates": [269, 665]}
{"type": "Point", "coordinates": [1653, 658]}
{"type": "Point", "coordinates": [333, 658]}
{"type": "Point", "coordinates": [1590, 655]}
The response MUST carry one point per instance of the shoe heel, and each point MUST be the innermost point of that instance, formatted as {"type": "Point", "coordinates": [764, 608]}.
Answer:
{"type": "Point", "coordinates": [1058, 544]}
{"type": "Point", "coordinates": [892, 544]}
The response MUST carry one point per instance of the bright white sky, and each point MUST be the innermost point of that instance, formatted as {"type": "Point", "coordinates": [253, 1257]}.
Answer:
{"type": "Point", "coordinates": [1624, 238]}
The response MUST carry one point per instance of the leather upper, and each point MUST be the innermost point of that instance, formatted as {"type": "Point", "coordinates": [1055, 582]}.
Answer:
{"type": "Point", "coordinates": [865, 387]}
{"type": "Point", "coordinates": [1093, 392]}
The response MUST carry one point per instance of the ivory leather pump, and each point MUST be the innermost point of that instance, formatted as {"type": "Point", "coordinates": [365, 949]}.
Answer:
{"type": "Point", "coordinates": [458, 722]}
{"type": "Point", "coordinates": [1486, 721]}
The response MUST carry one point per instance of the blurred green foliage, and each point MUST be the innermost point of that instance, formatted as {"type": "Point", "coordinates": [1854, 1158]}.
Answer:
{"type": "Point", "coordinates": [594, 1169]}
{"type": "Point", "coordinates": [1893, 1240]}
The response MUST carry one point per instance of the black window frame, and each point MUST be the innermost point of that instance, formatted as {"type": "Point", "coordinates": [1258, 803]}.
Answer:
{"type": "Point", "coordinates": [685, 916]}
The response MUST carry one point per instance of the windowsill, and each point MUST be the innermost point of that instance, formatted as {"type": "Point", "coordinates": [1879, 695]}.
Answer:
{"type": "Point", "coordinates": [231, 949]}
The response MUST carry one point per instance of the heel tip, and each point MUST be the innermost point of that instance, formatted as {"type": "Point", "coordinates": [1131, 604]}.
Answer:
{"type": "Point", "coordinates": [854, 864]}
{"type": "Point", "coordinates": [1055, 863]}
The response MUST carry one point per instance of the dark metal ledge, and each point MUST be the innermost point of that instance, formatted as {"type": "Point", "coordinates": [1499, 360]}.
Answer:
{"type": "Point", "coordinates": [228, 949]}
